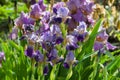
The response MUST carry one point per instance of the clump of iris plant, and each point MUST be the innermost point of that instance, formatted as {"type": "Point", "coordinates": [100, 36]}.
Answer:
{"type": "Point", "coordinates": [42, 28]}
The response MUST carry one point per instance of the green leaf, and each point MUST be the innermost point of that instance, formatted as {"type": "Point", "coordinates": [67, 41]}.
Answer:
{"type": "Point", "coordinates": [88, 55]}
{"type": "Point", "coordinates": [105, 74]}
{"type": "Point", "coordinates": [13, 44]}
{"type": "Point", "coordinates": [114, 65]}
{"type": "Point", "coordinates": [86, 72]}
{"type": "Point", "coordinates": [92, 37]}
{"type": "Point", "coordinates": [69, 74]}
{"type": "Point", "coordinates": [110, 55]}
{"type": "Point", "coordinates": [52, 74]}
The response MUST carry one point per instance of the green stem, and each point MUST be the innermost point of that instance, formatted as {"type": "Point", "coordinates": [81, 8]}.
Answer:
{"type": "Point", "coordinates": [40, 72]}
{"type": "Point", "coordinates": [32, 68]}
{"type": "Point", "coordinates": [69, 73]}
{"type": "Point", "coordinates": [52, 74]}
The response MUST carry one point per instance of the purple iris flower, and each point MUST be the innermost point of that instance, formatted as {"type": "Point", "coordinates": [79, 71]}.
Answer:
{"type": "Point", "coordinates": [51, 37]}
{"type": "Point", "coordinates": [102, 36]}
{"type": "Point", "coordinates": [2, 57]}
{"type": "Point", "coordinates": [81, 28]}
{"type": "Point", "coordinates": [57, 34]}
{"type": "Point", "coordinates": [73, 4]}
{"type": "Point", "coordinates": [62, 12]}
{"type": "Point", "coordinates": [80, 4]}
{"type": "Point", "coordinates": [101, 46]}
{"type": "Point", "coordinates": [36, 11]}
{"type": "Point", "coordinates": [27, 28]}
{"type": "Point", "coordinates": [90, 21]}
{"type": "Point", "coordinates": [109, 46]}
{"type": "Point", "coordinates": [47, 41]}
{"type": "Point", "coordinates": [43, 29]}
{"type": "Point", "coordinates": [55, 29]}
{"type": "Point", "coordinates": [47, 36]}
{"type": "Point", "coordinates": [80, 32]}
{"type": "Point", "coordinates": [87, 8]}
{"type": "Point", "coordinates": [39, 57]}
{"type": "Point", "coordinates": [70, 60]}
{"type": "Point", "coordinates": [14, 34]}
{"type": "Point", "coordinates": [46, 17]}
{"type": "Point", "coordinates": [48, 46]}
{"type": "Point", "coordinates": [71, 42]}
{"type": "Point", "coordinates": [30, 52]}
{"type": "Point", "coordinates": [101, 42]}
{"type": "Point", "coordinates": [53, 57]}
{"type": "Point", "coordinates": [55, 20]}
{"type": "Point", "coordinates": [57, 6]}
{"type": "Point", "coordinates": [98, 46]}
{"type": "Point", "coordinates": [42, 5]}
{"type": "Point", "coordinates": [34, 54]}
{"type": "Point", "coordinates": [82, 37]}
{"type": "Point", "coordinates": [45, 70]}
{"type": "Point", "coordinates": [71, 25]}
{"type": "Point", "coordinates": [58, 39]}
{"type": "Point", "coordinates": [61, 15]}
{"type": "Point", "coordinates": [23, 19]}
{"type": "Point", "coordinates": [80, 9]}
{"type": "Point", "coordinates": [31, 37]}
{"type": "Point", "coordinates": [79, 16]}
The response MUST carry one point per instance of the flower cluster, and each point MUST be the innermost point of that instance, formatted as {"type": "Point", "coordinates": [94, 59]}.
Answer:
{"type": "Point", "coordinates": [80, 10]}
{"type": "Point", "coordinates": [43, 27]}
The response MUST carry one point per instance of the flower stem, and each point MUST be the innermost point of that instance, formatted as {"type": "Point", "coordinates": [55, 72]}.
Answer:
{"type": "Point", "coordinates": [51, 4]}
{"type": "Point", "coordinates": [69, 73]}
{"type": "Point", "coordinates": [40, 72]}
{"type": "Point", "coordinates": [32, 68]}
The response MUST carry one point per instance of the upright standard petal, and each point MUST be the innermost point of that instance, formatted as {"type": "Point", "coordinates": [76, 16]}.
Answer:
{"type": "Point", "coordinates": [71, 42]}
{"type": "Point", "coordinates": [102, 36]}
{"type": "Point", "coordinates": [57, 6]}
{"type": "Point", "coordinates": [80, 32]}
{"type": "Point", "coordinates": [35, 12]}
{"type": "Point", "coordinates": [63, 12]}
{"type": "Point", "coordinates": [42, 5]}
{"type": "Point", "coordinates": [70, 60]}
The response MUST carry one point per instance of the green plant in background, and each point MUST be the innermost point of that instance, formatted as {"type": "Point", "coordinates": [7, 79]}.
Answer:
{"type": "Point", "coordinates": [7, 14]}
